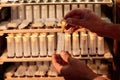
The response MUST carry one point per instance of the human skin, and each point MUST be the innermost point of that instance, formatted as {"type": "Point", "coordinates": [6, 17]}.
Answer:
{"type": "Point", "coordinates": [87, 19]}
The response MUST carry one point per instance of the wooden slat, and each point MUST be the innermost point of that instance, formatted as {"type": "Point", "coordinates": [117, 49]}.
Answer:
{"type": "Point", "coordinates": [4, 58]}
{"type": "Point", "coordinates": [34, 30]}
{"type": "Point", "coordinates": [36, 78]}
{"type": "Point", "coordinates": [9, 4]}
{"type": "Point", "coordinates": [83, 2]}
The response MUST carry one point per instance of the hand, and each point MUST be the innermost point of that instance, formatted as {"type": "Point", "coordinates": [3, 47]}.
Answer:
{"type": "Point", "coordinates": [84, 18]}
{"type": "Point", "coordinates": [70, 68]}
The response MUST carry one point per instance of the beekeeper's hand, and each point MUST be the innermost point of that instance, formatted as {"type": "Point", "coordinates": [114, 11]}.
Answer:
{"type": "Point", "coordinates": [78, 18]}
{"type": "Point", "coordinates": [72, 69]}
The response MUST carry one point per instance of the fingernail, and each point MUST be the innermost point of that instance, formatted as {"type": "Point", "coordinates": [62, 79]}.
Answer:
{"type": "Point", "coordinates": [63, 25]}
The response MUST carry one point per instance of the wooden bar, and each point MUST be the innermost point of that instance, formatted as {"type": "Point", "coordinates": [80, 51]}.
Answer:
{"type": "Point", "coordinates": [36, 78]}
{"type": "Point", "coordinates": [34, 30]}
{"type": "Point", "coordinates": [4, 58]}
{"type": "Point", "coordinates": [9, 4]}
{"type": "Point", "coordinates": [82, 2]}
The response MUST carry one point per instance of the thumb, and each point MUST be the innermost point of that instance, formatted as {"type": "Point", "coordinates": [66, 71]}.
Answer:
{"type": "Point", "coordinates": [67, 58]}
{"type": "Point", "coordinates": [76, 22]}
{"type": "Point", "coordinates": [73, 61]}
{"type": "Point", "coordinates": [65, 55]}
{"type": "Point", "coordinates": [57, 66]}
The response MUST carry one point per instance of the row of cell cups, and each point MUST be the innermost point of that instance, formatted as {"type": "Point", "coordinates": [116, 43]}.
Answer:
{"type": "Point", "coordinates": [45, 44]}
{"type": "Point", "coordinates": [44, 67]}
{"type": "Point", "coordinates": [37, 1]}
{"type": "Point", "coordinates": [82, 44]}
{"type": "Point", "coordinates": [35, 12]}
{"type": "Point", "coordinates": [27, 44]}
{"type": "Point", "coordinates": [31, 69]}
{"type": "Point", "coordinates": [99, 66]}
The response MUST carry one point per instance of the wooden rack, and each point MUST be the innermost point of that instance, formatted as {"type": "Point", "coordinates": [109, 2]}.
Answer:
{"type": "Point", "coordinates": [4, 58]}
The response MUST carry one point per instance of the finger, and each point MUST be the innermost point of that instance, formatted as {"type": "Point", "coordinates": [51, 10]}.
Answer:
{"type": "Point", "coordinates": [74, 12]}
{"type": "Point", "coordinates": [57, 66]}
{"type": "Point", "coordinates": [76, 22]}
{"type": "Point", "coordinates": [77, 12]}
{"type": "Point", "coordinates": [65, 55]}
{"type": "Point", "coordinates": [73, 29]}
{"type": "Point", "coordinates": [68, 26]}
{"type": "Point", "coordinates": [60, 60]}
{"type": "Point", "coordinates": [77, 62]}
